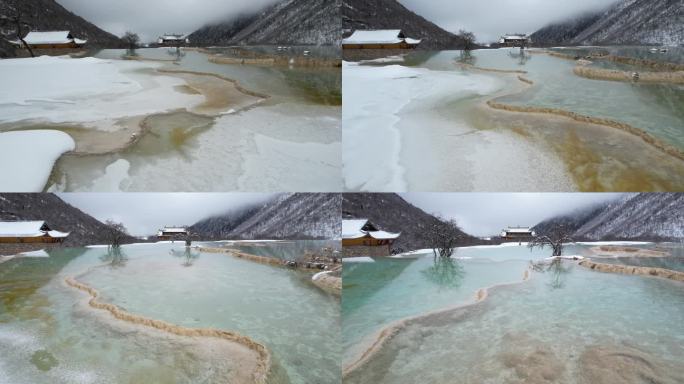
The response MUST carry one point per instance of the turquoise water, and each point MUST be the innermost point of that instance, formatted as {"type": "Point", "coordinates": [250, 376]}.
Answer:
{"type": "Point", "coordinates": [654, 108]}
{"type": "Point", "coordinates": [283, 250]}
{"type": "Point", "coordinates": [278, 307]}
{"type": "Point", "coordinates": [308, 85]}
{"type": "Point", "coordinates": [377, 293]}
{"type": "Point", "coordinates": [673, 54]}
{"type": "Point", "coordinates": [563, 326]}
{"type": "Point", "coordinates": [674, 260]}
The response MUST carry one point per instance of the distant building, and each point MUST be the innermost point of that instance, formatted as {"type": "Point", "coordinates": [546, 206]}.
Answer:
{"type": "Point", "coordinates": [361, 237]}
{"type": "Point", "coordinates": [518, 233]}
{"type": "Point", "coordinates": [51, 40]}
{"type": "Point", "coordinates": [172, 40]}
{"type": "Point", "coordinates": [29, 232]}
{"type": "Point", "coordinates": [379, 39]}
{"type": "Point", "coordinates": [172, 233]}
{"type": "Point", "coordinates": [516, 40]}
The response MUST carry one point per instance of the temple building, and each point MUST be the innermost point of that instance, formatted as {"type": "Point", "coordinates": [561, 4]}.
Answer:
{"type": "Point", "coordinates": [172, 233]}
{"type": "Point", "coordinates": [518, 234]}
{"type": "Point", "coordinates": [516, 40]}
{"type": "Point", "coordinates": [29, 232]}
{"type": "Point", "coordinates": [379, 39]}
{"type": "Point", "coordinates": [361, 237]}
{"type": "Point", "coordinates": [172, 40]}
{"type": "Point", "coordinates": [51, 40]}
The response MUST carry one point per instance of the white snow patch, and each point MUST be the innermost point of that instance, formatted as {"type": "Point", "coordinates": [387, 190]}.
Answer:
{"type": "Point", "coordinates": [27, 158]}
{"type": "Point", "coordinates": [362, 259]}
{"type": "Point", "coordinates": [40, 253]}
{"type": "Point", "coordinates": [614, 242]}
{"type": "Point", "coordinates": [319, 274]}
{"type": "Point", "coordinates": [373, 97]}
{"type": "Point", "coordinates": [86, 91]}
{"type": "Point", "coordinates": [115, 174]}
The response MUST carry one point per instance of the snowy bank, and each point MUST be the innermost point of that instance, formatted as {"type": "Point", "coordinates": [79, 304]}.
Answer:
{"type": "Point", "coordinates": [88, 91]}
{"type": "Point", "coordinates": [373, 97]}
{"type": "Point", "coordinates": [361, 259]}
{"type": "Point", "coordinates": [27, 158]}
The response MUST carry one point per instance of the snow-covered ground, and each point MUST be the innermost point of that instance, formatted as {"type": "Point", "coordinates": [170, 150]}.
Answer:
{"type": "Point", "coordinates": [27, 158]}
{"type": "Point", "coordinates": [101, 103]}
{"type": "Point", "coordinates": [285, 147]}
{"type": "Point", "coordinates": [88, 91]}
{"type": "Point", "coordinates": [402, 131]}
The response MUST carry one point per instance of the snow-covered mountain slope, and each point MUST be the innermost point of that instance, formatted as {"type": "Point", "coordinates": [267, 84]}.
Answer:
{"type": "Point", "coordinates": [390, 14]}
{"type": "Point", "coordinates": [644, 216]}
{"type": "Point", "coordinates": [562, 33]}
{"type": "Point", "coordinates": [289, 216]}
{"type": "Point", "coordinates": [303, 22]}
{"type": "Point", "coordinates": [650, 22]}
{"type": "Point", "coordinates": [85, 229]}
{"type": "Point", "coordinates": [48, 15]}
{"type": "Point", "coordinates": [392, 213]}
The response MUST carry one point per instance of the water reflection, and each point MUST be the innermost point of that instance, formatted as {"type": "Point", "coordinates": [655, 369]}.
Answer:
{"type": "Point", "coordinates": [521, 56]}
{"type": "Point", "coordinates": [557, 272]}
{"type": "Point", "coordinates": [176, 53]}
{"type": "Point", "coordinates": [187, 256]}
{"type": "Point", "coordinates": [115, 257]}
{"type": "Point", "coordinates": [467, 57]}
{"type": "Point", "coordinates": [445, 272]}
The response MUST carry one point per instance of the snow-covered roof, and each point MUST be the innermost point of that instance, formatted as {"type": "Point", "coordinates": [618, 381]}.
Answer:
{"type": "Point", "coordinates": [58, 234]}
{"type": "Point", "coordinates": [351, 229]}
{"type": "Point", "coordinates": [382, 235]}
{"type": "Point", "coordinates": [515, 37]}
{"type": "Point", "coordinates": [27, 229]}
{"type": "Point", "coordinates": [54, 37]}
{"type": "Point", "coordinates": [174, 229]}
{"type": "Point", "coordinates": [380, 36]}
{"type": "Point", "coordinates": [519, 230]}
{"type": "Point", "coordinates": [172, 37]}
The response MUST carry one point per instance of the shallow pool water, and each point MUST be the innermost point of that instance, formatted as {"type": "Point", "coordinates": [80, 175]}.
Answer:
{"type": "Point", "coordinates": [655, 108]}
{"type": "Point", "coordinates": [283, 250]}
{"type": "Point", "coordinates": [564, 325]}
{"type": "Point", "coordinates": [242, 143]}
{"type": "Point", "coordinates": [277, 307]}
{"type": "Point", "coordinates": [377, 293]}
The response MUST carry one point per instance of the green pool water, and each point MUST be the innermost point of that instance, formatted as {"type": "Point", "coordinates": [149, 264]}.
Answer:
{"type": "Point", "coordinates": [565, 325]}
{"type": "Point", "coordinates": [58, 340]}
{"type": "Point", "coordinates": [283, 250]}
{"type": "Point", "coordinates": [654, 108]}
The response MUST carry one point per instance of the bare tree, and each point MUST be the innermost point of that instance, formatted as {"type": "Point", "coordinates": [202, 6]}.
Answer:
{"type": "Point", "coordinates": [132, 39]}
{"type": "Point", "coordinates": [116, 233]}
{"type": "Point", "coordinates": [445, 273]}
{"type": "Point", "coordinates": [443, 237]}
{"type": "Point", "coordinates": [556, 237]}
{"type": "Point", "coordinates": [468, 40]}
{"type": "Point", "coordinates": [17, 21]}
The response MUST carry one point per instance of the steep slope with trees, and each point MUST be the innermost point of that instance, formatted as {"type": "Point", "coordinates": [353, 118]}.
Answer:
{"type": "Point", "coordinates": [48, 15]}
{"type": "Point", "coordinates": [390, 14]}
{"type": "Point", "coordinates": [638, 22]}
{"type": "Point", "coordinates": [84, 229]}
{"type": "Point", "coordinates": [392, 213]}
{"type": "Point", "coordinates": [291, 22]}
{"type": "Point", "coordinates": [644, 216]}
{"type": "Point", "coordinates": [289, 216]}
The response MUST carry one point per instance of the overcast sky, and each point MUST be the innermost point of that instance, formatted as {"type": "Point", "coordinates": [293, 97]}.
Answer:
{"type": "Point", "coordinates": [486, 214]}
{"type": "Point", "coordinates": [144, 213]}
{"type": "Point", "coordinates": [151, 18]}
{"type": "Point", "coordinates": [489, 19]}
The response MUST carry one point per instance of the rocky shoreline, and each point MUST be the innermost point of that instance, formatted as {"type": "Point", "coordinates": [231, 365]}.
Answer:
{"type": "Point", "coordinates": [263, 364]}
{"type": "Point", "coordinates": [632, 270]}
